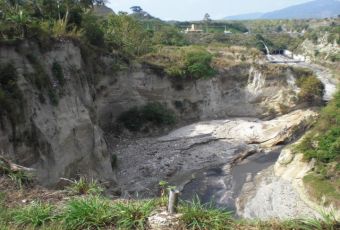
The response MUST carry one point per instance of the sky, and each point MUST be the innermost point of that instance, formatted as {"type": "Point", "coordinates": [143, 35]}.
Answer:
{"type": "Point", "coordinates": [195, 9]}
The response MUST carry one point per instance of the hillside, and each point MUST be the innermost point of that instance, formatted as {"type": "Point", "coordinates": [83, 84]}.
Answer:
{"type": "Point", "coordinates": [314, 9]}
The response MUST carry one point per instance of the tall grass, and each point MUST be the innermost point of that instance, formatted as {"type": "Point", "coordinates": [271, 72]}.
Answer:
{"type": "Point", "coordinates": [85, 186]}
{"type": "Point", "coordinates": [204, 216]}
{"type": "Point", "coordinates": [35, 214]}
{"type": "Point", "coordinates": [133, 214]}
{"type": "Point", "coordinates": [92, 212]}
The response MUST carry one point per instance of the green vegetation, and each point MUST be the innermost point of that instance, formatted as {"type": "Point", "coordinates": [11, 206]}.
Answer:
{"type": "Point", "coordinates": [311, 89]}
{"type": "Point", "coordinates": [323, 144]}
{"type": "Point", "coordinates": [85, 186]}
{"type": "Point", "coordinates": [133, 214]}
{"type": "Point", "coordinates": [20, 178]}
{"type": "Point", "coordinates": [125, 34]}
{"type": "Point", "coordinates": [152, 113]}
{"type": "Point", "coordinates": [169, 36]}
{"type": "Point", "coordinates": [190, 62]}
{"type": "Point", "coordinates": [92, 212]}
{"type": "Point", "coordinates": [35, 214]}
{"type": "Point", "coordinates": [197, 64]}
{"type": "Point", "coordinates": [205, 216]}
{"type": "Point", "coordinates": [96, 212]}
{"type": "Point", "coordinates": [11, 98]}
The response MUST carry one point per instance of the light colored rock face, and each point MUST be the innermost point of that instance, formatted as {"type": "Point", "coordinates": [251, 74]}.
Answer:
{"type": "Point", "coordinates": [162, 220]}
{"type": "Point", "coordinates": [323, 46]}
{"type": "Point", "coordinates": [142, 163]}
{"type": "Point", "coordinates": [63, 140]}
{"type": "Point", "coordinates": [292, 168]}
{"type": "Point", "coordinates": [237, 92]}
{"type": "Point", "coordinates": [270, 197]}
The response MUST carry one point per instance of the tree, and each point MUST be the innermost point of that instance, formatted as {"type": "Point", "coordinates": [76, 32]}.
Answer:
{"type": "Point", "coordinates": [126, 34]}
{"type": "Point", "coordinates": [207, 18]}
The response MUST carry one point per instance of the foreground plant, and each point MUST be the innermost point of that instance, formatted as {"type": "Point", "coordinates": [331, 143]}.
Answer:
{"type": "Point", "coordinates": [92, 212]}
{"type": "Point", "coordinates": [204, 216]}
{"type": "Point", "coordinates": [35, 214]}
{"type": "Point", "coordinates": [133, 214]}
{"type": "Point", "coordinates": [85, 186]}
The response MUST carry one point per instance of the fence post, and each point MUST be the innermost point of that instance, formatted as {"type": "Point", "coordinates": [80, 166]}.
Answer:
{"type": "Point", "coordinates": [173, 201]}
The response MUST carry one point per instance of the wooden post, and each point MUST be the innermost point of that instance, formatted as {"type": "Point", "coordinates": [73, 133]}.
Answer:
{"type": "Point", "coordinates": [173, 201]}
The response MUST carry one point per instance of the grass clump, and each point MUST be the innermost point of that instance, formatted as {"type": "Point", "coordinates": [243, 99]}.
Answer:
{"type": "Point", "coordinates": [4, 215]}
{"type": "Point", "coordinates": [133, 214]}
{"type": "Point", "coordinates": [204, 216]}
{"type": "Point", "coordinates": [21, 178]}
{"type": "Point", "coordinates": [92, 212]}
{"type": "Point", "coordinates": [85, 186]}
{"type": "Point", "coordinates": [152, 113]}
{"type": "Point", "coordinates": [322, 188]}
{"type": "Point", "coordinates": [35, 214]}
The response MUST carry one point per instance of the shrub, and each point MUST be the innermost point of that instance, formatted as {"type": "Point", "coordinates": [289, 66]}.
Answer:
{"type": "Point", "coordinates": [127, 35]}
{"type": "Point", "coordinates": [85, 186]}
{"type": "Point", "coordinates": [154, 113]}
{"type": "Point", "coordinates": [323, 143]}
{"type": "Point", "coordinates": [20, 178]}
{"type": "Point", "coordinates": [169, 36]}
{"type": "Point", "coordinates": [133, 214]}
{"type": "Point", "coordinates": [198, 64]}
{"type": "Point", "coordinates": [35, 214]}
{"type": "Point", "coordinates": [93, 33]}
{"type": "Point", "coordinates": [91, 212]}
{"type": "Point", "coordinates": [311, 89]}
{"type": "Point", "coordinates": [204, 216]}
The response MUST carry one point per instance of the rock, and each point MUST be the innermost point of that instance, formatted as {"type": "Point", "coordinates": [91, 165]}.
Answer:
{"type": "Point", "coordinates": [162, 220]}
{"type": "Point", "coordinates": [60, 140]}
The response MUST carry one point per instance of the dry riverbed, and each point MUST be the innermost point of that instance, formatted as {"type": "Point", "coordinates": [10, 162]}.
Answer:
{"type": "Point", "coordinates": [203, 149]}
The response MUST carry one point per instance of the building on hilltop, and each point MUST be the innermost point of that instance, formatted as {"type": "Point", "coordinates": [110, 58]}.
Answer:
{"type": "Point", "coordinates": [193, 29]}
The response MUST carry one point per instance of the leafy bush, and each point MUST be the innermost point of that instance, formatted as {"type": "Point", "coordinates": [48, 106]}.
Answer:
{"type": "Point", "coordinates": [169, 36]}
{"type": "Point", "coordinates": [35, 214]}
{"type": "Point", "coordinates": [153, 113]}
{"type": "Point", "coordinates": [92, 32]}
{"type": "Point", "coordinates": [85, 186]}
{"type": "Point", "coordinates": [323, 143]}
{"type": "Point", "coordinates": [204, 216]}
{"type": "Point", "coordinates": [312, 89]}
{"type": "Point", "coordinates": [198, 64]}
{"type": "Point", "coordinates": [91, 212]}
{"type": "Point", "coordinates": [126, 34]}
{"type": "Point", "coordinates": [133, 214]}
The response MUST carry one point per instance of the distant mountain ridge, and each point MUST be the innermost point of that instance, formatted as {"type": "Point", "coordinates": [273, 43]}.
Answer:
{"type": "Point", "coordinates": [313, 9]}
